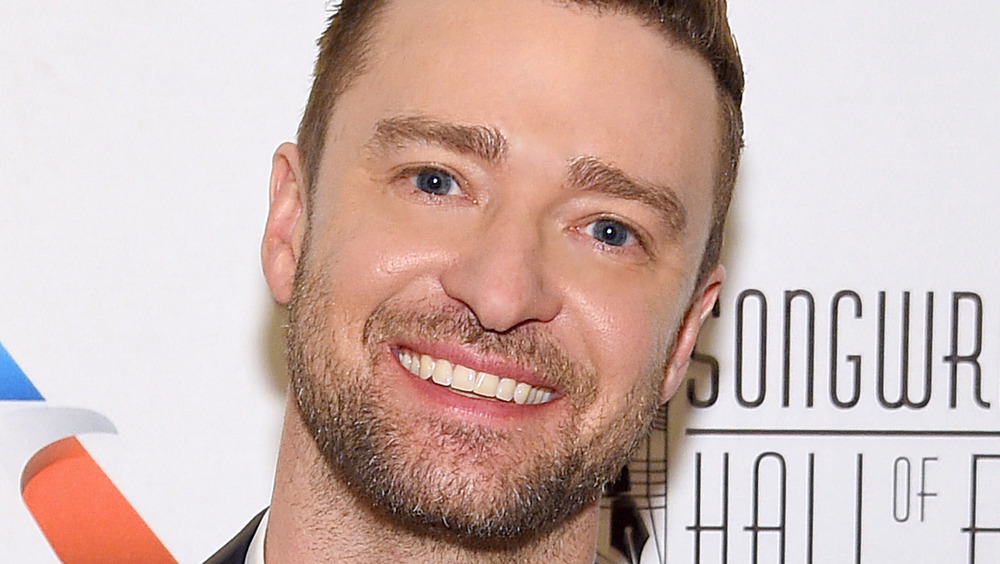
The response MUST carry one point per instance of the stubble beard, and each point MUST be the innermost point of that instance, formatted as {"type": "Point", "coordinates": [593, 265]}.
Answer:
{"type": "Point", "coordinates": [473, 485]}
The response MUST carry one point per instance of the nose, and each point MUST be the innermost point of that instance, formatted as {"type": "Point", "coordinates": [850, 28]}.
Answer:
{"type": "Point", "coordinates": [502, 275]}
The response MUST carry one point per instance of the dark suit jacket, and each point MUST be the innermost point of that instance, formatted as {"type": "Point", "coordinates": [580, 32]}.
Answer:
{"type": "Point", "coordinates": [235, 551]}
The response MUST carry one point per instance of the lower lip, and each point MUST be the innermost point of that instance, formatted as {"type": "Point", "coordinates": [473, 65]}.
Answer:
{"type": "Point", "coordinates": [466, 406]}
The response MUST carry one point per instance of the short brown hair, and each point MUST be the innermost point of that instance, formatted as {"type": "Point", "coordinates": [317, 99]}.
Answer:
{"type": "Point", "coordinates": [700, 25]}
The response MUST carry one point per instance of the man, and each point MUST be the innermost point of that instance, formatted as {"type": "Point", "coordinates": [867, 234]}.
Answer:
{"type": "Point", "coordinates": [498, 238]}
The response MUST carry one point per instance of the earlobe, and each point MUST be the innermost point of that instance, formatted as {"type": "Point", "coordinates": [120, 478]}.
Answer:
{"type": "Point", "coordinates": [285, 227]}
{"type": "Point", "coordinates": [687, 335]}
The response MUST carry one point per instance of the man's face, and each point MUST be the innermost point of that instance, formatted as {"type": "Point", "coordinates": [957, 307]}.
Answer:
{"type": "Point", "coordinates": [508, 218]}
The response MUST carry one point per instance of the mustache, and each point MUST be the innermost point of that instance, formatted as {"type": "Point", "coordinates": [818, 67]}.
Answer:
{"type": "Point", "coordinates": [528, 345]}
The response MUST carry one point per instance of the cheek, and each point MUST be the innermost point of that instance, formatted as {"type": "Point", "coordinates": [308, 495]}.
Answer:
{"type": "Point", "coordinates": [367, 253]}
{"type": "Point", "coordinates": [627, 336]}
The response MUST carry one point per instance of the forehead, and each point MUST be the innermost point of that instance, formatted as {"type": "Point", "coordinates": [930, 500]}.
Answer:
{"type": "Point", "coordinates": [559, 80]}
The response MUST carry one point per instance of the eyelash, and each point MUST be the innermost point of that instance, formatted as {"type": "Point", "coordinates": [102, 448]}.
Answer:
{"type": "Point", "coordinates": [637, 235]}
{"type": "Point", "coordinates": [411, 173]}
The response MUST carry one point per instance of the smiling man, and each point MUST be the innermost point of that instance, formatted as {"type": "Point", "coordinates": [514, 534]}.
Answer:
{"type": "Point", "coordinates": [498, 238]}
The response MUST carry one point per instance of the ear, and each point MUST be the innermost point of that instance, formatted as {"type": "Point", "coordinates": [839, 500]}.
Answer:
{"type": "Point", "coordinates": [687, 335]}
{"type": "Point", "coordinates": [286, 223]}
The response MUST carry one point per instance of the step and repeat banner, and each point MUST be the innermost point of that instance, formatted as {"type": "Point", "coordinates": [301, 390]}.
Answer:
{"type": "Point", "coordinates": [844, 404]}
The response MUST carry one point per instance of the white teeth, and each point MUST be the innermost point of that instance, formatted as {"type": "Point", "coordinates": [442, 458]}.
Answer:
{"type": "Point", "coordinates": [487, 384]}
{"type": "Point", "coordinates": [426, 366]}
{"type": "Point", "coordinates": [443, 372]}
{"type": "Point", "coordinates": [463, 379]}
{"type": "Point", "coordinates": [521, 393]}
{"type": "Point", "coordinates": [505, 390]}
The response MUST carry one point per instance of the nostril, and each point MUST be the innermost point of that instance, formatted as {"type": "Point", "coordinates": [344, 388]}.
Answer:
{"type": "Point", "coordinates": [502, 290]}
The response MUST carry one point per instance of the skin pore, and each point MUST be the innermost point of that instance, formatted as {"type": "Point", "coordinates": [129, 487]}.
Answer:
{"type": "Point", "coordinates": [516, 188]}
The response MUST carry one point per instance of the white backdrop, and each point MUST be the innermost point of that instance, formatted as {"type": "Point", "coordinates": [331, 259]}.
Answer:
{"type": "Point", "coordinates": [135, 143]}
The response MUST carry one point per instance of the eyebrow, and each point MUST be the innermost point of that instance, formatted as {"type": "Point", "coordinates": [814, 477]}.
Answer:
{"type": "Point", "coordinates": [586, 173]}
{"type": "Point", "coordinates": [592, 175]}
{"type": "Point", "coordinates": [481, 141]}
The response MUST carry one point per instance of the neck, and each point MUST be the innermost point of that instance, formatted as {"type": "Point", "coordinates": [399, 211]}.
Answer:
{"type": "Point", "coordinates": [314, 517]}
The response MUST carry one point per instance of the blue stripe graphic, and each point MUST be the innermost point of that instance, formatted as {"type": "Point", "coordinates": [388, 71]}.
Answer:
{"type": "Point", "coordinates": [14, 385]}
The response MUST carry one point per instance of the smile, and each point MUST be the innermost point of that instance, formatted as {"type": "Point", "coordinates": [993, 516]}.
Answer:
{"type": "Point", "coordinates": [467, 381]}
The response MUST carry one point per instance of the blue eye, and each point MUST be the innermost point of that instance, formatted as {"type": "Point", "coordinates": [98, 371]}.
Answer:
{"type": "Point", "coordinates": [609, 232]}
{"type": "Point", "coordinates": [437, 182]}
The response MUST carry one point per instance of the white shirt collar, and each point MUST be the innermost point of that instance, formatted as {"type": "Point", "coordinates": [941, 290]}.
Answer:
{"type": "Point", "coordinates": [255, 553]}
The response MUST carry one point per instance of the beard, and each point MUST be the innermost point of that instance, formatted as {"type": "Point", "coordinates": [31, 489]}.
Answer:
{"type": "Point", "coordinates": [475, 485]}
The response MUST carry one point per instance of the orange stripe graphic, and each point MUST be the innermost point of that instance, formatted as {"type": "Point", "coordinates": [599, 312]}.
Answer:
{"type": "Point", "coordinates": [83, 515]}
